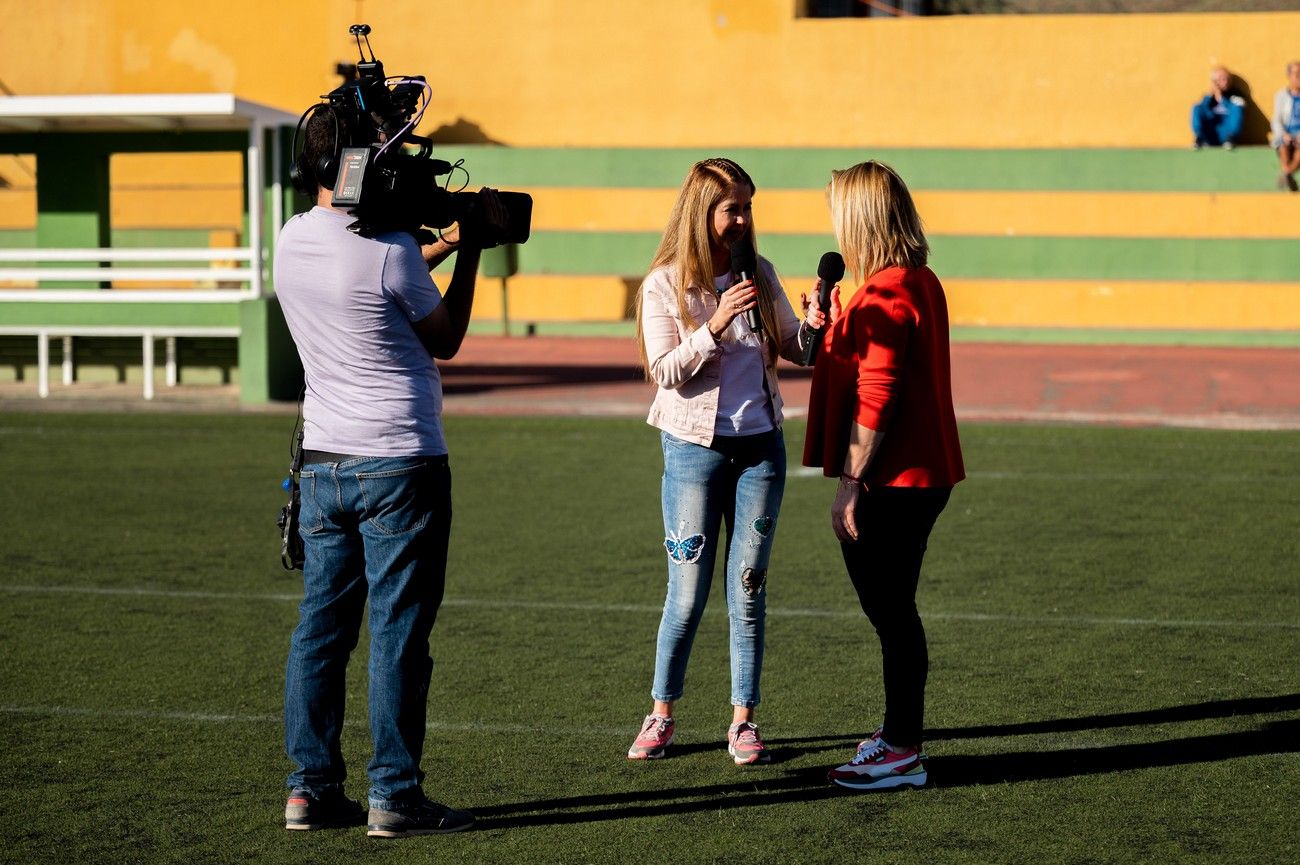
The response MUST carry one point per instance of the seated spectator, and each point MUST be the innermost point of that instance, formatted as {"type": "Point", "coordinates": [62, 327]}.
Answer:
{"type": "Point", "coordinates": [1217, 119]}
{"type": "Point", "coordinates": [1286, 127]}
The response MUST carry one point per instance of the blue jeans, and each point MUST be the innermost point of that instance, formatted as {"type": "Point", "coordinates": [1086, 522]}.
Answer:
{"type": "Point", "coordinates": [1216, 129]}
{"type": "Point", "coordinates": [374, 527]}
{"type": "Point", "coordinates": [740, 481]}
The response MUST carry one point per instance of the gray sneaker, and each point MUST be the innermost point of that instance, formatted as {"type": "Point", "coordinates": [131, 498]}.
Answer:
{"type": "Point", "coordinates": [305, 812]}
{"type": "Point", "coordinates": [420, 817]}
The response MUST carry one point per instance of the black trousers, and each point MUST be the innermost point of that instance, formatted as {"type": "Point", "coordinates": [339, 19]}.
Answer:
{"type": "Point", "coordinates": [884, 564]}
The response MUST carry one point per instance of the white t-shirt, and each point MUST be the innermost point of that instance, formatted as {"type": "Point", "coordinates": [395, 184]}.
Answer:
{"type": "Point", "coordinates": [744, 406]}
{"type": "Point", "coordinates": [372, 388]}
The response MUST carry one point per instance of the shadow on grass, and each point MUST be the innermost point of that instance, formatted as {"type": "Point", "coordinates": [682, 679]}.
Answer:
{"type": "Point", "coordinates": [1171, 715]}
{"type": "Point", "coordinates": [954, 771]}
{"type": "Point", "coordinates": [483, 378]}
{"type": "Point", "coordinates": [467, 378]}
{"type": "Point", "coordinates": [1279, 737]}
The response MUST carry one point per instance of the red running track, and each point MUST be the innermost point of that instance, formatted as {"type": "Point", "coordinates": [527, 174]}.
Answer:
{"type": "Point", "coordinates": [1230, 388]}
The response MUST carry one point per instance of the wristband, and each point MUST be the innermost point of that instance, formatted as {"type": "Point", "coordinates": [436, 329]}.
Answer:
{"type": "Point", "coordinates": [851, 480]}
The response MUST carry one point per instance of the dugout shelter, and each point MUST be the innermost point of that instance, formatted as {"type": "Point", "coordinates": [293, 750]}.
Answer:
{"type": "Point", "coordinates": [71, 281]}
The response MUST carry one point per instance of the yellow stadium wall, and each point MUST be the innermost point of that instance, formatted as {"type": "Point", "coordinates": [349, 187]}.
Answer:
{"type": "Point", "coordinates": [675, 72]}
{"type": "Point", "coordinates": [711, 73]}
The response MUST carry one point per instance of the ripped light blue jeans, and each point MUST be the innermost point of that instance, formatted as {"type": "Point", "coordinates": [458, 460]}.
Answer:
{"type": "Point", "coordinates": [740, 481]}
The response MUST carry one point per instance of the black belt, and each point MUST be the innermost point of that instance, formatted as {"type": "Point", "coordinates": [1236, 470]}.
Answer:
{"type": "Point", "coordinates": [310, 457]}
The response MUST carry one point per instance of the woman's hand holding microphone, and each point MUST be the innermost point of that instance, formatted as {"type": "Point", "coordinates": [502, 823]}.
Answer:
{"type": "Point", "coordinates": [737, 300]}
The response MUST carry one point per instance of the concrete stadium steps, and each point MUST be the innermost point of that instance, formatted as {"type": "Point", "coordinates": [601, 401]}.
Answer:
{"type": "Point", "coordinates": [1069, 239]}
{"type": "Point", "coordinates": [955, 212]}
{"type": "Point", "coordinates": [1000, 303]}
{"type": "Point", "coordinates": [1247, 169]}
{"type": "Point", "coordinates": [958, 257]}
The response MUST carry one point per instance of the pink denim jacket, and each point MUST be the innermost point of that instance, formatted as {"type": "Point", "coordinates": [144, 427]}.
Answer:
{"type": "Point", "coordinates": [686, 364]}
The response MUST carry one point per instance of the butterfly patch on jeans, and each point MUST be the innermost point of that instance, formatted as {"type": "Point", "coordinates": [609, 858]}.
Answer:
{"type": "Point", "coordinates": [684, 551]}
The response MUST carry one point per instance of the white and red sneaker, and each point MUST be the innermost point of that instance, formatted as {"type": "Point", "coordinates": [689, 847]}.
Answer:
{"type": "Point", "coordinates": [745, 745]}
{"type": "Point", "coordinates": [875, 767]}
{"type": "Point", "coordinates": [655, 737]}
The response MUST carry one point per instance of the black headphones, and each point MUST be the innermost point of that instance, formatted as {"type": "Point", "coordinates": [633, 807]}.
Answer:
{"type": "Point", "coordinates": [305, 177]}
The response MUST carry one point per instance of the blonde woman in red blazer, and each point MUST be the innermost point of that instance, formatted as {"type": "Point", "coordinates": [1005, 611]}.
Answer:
{"type": "Point", "coordinates": [880, 419]}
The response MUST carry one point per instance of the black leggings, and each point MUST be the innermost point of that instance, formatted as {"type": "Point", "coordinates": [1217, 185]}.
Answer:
{"type": "Point", "coordinates": [884, 564]}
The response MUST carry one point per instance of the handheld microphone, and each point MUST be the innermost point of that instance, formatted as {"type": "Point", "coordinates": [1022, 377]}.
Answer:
{"type": "Point", "coordinates": [744, 263]}
{"type": "Point", "coordinates": [830, 270]}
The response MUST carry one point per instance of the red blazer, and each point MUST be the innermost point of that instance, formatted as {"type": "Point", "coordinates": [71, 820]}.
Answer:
{"type": "Point", "coordinates": [884, 364]}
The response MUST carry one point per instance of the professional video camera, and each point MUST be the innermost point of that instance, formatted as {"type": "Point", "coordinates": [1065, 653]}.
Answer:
{"type": "Point", "coordinates": [386, 176]}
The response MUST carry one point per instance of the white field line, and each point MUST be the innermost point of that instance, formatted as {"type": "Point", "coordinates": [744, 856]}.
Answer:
{"type": "Point", "coordinates": [775, 612]}
{"type": "Point", "coordinates": [806, 472]}
{"type": "Point", "coordinates": [1208, 421]}
{"type": "Point", "coordinates": [234, 718]}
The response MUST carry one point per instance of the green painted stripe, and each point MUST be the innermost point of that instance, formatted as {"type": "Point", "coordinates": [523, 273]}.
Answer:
{"type": "Point", "coordinates": [147, 238]}
{"type": "Point", "coordinates": [796, 255]}
{"type": "Point", "coordinates": [580, 252]}
{"type": "Point", "coordinates": [142, 314]}
{"type": "Point", "coordinates": [1247, 169]}
{"type": "Point", "coordinates": [125, 238]}
{"type": "Point", "coordinates": [1217, 259]}
{"type": "Point", "coordinates": [18, 238]}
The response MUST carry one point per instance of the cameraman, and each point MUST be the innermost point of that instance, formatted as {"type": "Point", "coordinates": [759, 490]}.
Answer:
{"type": "Point", "coordinates": [368, 321]}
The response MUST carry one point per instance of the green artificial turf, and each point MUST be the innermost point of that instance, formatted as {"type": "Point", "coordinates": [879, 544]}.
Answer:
{"type": "Point", "coordinates": [1113, 617]}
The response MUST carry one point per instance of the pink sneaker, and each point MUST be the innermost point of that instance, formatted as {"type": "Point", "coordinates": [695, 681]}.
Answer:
{"type": "Point", "coordinates": [744, 744]}
{"type": "Point", "coordinates": [655, 737]}
{"type": "Point", "coordinates": [875, 767]}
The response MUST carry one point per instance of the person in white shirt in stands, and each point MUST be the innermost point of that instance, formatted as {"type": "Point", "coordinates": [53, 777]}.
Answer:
{"type": "Point", "coordinates": [1286, 127]}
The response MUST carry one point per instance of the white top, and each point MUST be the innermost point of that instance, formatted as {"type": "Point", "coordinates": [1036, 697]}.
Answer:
{"type": "Point", "coordinates": [372, 388]}
{"type": "Point", "coordinates": [1282, 102]}
{"type": "Point", "coordinates": [684, 361]}
{"type": "Point", "coordinates": [744, 406]}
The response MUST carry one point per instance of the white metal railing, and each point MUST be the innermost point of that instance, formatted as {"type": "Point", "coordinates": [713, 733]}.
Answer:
{"type": "Point", "coordinates": [147, 335]}
{"type": "Point", "coordinates": [115, 254]}
{"type": "Point", "coordinates": [15, 267]}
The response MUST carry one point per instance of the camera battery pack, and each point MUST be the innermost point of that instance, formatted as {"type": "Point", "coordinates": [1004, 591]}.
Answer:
{"type": "Point", "coordinates": [352, 170]}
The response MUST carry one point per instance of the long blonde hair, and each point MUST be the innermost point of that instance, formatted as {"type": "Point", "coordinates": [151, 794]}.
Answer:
{"type": "Point", "coordinates": [875, 219]}
{"type": "Point", "coordinates": [685, 247]}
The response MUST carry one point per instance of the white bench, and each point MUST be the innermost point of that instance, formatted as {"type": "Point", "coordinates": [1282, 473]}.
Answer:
{"type": "Point", "coordinates": [65, 325]}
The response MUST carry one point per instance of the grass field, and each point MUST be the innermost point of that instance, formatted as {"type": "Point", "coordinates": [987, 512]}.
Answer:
{"type": "Point", "coordinates": [1113, 614]}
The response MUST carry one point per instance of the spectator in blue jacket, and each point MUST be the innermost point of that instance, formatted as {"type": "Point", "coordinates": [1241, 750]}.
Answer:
{"type": "Point", "coordinates": [1217, 118]}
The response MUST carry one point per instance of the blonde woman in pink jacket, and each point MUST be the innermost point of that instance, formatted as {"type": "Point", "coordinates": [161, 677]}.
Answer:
{"type": "Point", "coordinates": [718, 407]}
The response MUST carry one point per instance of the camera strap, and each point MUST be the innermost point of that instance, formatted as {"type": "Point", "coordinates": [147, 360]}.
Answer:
{"type": "Point", "coordinates": [291, 547]}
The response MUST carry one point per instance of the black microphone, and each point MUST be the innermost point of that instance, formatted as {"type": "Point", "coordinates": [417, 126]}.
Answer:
{"type": "Point", "coordinates": [744, 264]}
{"type": "Point", "coordinates": [830, 270]}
